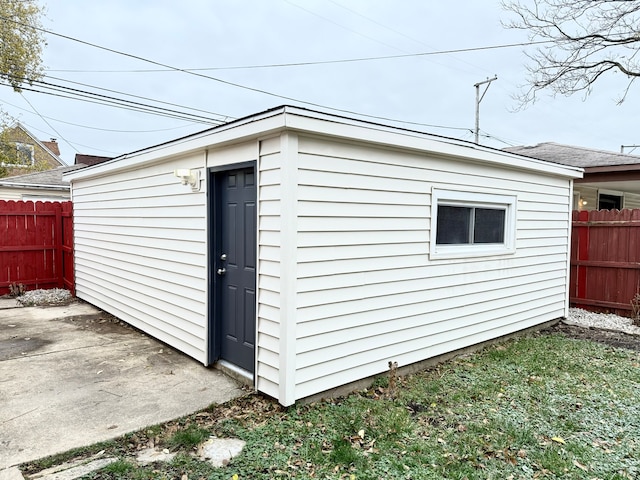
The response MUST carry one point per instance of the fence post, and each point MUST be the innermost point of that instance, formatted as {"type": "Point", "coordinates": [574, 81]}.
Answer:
{"type": "Point", "coordinates": [582, 254]}
{"type": "Point", "coordinates": [68, 247]}
{"type": "Point", "coordinates": [58, 245]}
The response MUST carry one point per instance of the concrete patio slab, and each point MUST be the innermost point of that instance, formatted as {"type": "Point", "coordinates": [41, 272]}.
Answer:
{"type": "Point", "coordinates": [71, 376]}
{"type": "Point", "coordinates": [8, 302]}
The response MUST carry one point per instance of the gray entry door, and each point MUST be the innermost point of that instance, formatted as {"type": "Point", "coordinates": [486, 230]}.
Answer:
{"type": "Point", "coordinates": [234, 266]}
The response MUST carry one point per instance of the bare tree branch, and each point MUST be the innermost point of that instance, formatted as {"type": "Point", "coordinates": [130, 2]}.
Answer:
{"type": "Point", "coordinates": [587, 38]}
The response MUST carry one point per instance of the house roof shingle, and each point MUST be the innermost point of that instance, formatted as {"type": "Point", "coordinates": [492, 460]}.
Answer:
{"type": "Point", "coordinates": [51, 177]}
{"type": "Point", "coordinates": [574, 156]}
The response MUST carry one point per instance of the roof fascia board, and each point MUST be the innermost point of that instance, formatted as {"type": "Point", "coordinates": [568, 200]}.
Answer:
{"type": "Point", "coordinates": [313, 122]}
{"type": "Point", "coordinates": [632, 167]}
{"type": "Point", "coordinates": [256, 126]}
{"type": "Point", "coordinates": [301, 120]}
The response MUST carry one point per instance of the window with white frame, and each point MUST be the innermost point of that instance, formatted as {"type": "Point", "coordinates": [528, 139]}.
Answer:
{"type": "Point", "coordinates": [25, 154]}
{"type": "Point", "coordinates": [467, 224]}
{"type": "Point", "coordinates": [610, 200]}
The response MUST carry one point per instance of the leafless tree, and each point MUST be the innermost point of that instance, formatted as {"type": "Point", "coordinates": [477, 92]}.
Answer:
{"type": "Point", "coordinates": [584, 39]}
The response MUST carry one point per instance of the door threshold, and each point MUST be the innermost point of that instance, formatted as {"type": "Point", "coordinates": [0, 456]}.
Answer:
{"type": "Point", "coordinates": [235, 372]}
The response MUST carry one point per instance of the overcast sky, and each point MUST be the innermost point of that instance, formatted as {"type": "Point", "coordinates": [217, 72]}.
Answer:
{"type": "Point", "coordinates": [434, 90]}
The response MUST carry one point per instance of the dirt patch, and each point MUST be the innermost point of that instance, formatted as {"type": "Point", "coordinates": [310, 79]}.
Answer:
{"type": "Point", "coordinates": [613, 338]}
{"type": "Point", "coordinates": [100, 322]}
{"type": "Point", "coordinates": [18, 346]}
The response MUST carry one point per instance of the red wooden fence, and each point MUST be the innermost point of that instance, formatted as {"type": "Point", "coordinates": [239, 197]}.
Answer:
{"type": "Point", "coordinates": [605, 260]}
{"type": "Point", "coordinates": [36, 245]}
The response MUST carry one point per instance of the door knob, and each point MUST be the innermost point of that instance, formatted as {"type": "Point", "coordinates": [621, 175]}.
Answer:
{"type": "Point", "coordinates": [223, 257]}
{"type": "Point", "coordinates": [222, 271]}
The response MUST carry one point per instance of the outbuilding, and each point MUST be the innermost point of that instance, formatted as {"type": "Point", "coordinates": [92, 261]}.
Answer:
{"type": "Point", "coordinates": [305, 251]}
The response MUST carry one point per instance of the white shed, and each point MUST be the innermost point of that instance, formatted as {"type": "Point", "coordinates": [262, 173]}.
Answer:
{"type": "Point", "coordinates": [305, 251]}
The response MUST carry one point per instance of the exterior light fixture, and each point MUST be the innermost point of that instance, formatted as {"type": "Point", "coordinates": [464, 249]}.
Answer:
{"type": "Point", "coordinates": [189, 177]}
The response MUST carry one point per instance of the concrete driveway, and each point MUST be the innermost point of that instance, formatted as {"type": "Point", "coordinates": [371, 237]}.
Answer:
{"type": "Point", "coordinates": [70, 376]}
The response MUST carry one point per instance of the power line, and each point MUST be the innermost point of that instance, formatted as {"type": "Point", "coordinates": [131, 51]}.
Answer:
{"type": "Point", "coordinates": [107, 129]}
{"type": "Point", "coordinates": [225, 118]}
{"type": "Point", "coordinates": [97, 128]}
{"type": "Point", "coordinates": [86, 98]}
{"type": "Point", "coordinates": [31, 127]}
{"type": "Point", "coordinates": [107, 99]}
{"type": "Point", "coordinates": [85, 93]}
{"type": "Point", "coordinates": [257, 90]}
{"type": "Point", "coordinates": [375, 22]}
{"type": "Point", "coordinates": [341, 26]}
{"type": "Point", "coordinates": [303, 64]}
{"type": "Point", "coordinates": [50, 126]}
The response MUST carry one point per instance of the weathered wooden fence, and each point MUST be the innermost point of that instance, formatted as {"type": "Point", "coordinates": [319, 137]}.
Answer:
{"type": "Point", "coordinates": [36, 245]}
{"type": "Point", "coordinates": [605, 260]}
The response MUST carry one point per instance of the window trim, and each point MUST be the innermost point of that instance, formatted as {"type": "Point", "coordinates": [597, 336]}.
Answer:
{"type": "Point", "coordinates": [610, 193]}
{"type": "Point", "coordinates": [32, 154]}
{"type": "Point", "coordinates": [458, 198]}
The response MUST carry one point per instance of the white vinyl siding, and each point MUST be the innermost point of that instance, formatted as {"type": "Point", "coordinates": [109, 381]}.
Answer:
{"type": "Point", "coordinates": [269, 267]}
{"type": "Point", "coordinates": [34, 194]}
{"type": "Point", "coordinates": [631, 200]}
{"type": "Point", "coordinates": [367, 290]}
{"type": "Point", "coordinates": [345, 280]}
{"type": "Point", "coordinates": [140, 240]}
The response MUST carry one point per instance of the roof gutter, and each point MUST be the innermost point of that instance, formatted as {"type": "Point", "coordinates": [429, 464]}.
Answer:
{"type": "Point", "coordinates": [634, 167]}
{"type": "Point", "coordinates": [34, 185]}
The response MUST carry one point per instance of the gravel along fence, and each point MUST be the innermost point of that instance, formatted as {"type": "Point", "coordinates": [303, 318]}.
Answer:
{"type": "Point", "coordinates": [602, 320]}
{"type": "Point", "coordinates": [54, 296]}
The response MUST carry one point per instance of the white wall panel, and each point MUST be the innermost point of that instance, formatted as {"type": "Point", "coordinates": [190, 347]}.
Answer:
{"type": "Point", "coordinates": [367, 291]}
{"type": "Point", "coordinates": [141, 251]}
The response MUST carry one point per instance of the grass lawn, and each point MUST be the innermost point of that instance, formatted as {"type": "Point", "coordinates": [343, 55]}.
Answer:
{"type": "Point", "coordinates": [539, 406]}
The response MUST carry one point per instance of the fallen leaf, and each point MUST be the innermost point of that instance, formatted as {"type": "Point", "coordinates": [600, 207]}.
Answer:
{"type": "Point", "coordinates": [361, 433]}
{"type": "Point", "coordinates": [580, 466]}
{"type": "Point", "coordinates": [558, 440]}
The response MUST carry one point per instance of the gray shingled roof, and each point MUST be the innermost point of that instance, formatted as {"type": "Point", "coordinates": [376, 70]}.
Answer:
{"type": "Point", "coordinates": [51, 177]}
{"type": "Point", "coordinates": [574, 156]}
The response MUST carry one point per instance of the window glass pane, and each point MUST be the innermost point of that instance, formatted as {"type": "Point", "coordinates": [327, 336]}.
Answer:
{"type": "Point", "coordinates": [25, 153]}
{"type": "Point", "coordinates": [453, 225]}
{"type": "Point", "coordinates": [489, 225]}
{"type": "Point", "coordinates": [609, 202]}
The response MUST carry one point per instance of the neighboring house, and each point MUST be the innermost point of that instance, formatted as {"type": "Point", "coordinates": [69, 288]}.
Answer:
{"type": "Point", "coordinates": [611, 180]}
{"type": "Point", "coordinates": [304, 251]}
{"type": "Point", "coordinates": [32, 154]}
{"type": "Point", "coordinates": [42, 186]}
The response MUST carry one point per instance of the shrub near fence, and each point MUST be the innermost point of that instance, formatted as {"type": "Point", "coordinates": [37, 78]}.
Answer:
{"type": "Point", "coordinates": [605, 260]}
{"type": "Point", "coordinates": [36, 245]}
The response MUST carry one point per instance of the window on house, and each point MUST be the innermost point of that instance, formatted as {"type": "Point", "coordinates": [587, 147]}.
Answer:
{"type": "Point", "coordinates": [25, 154]}
{"type": "Point", "coordinates": [610, 201]}
{"type": "Point", "coordinates": [470, 224]}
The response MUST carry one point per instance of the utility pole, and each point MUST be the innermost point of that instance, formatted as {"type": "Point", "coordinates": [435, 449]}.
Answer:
{"type": "Point", "coordinates": [479, 99]}
{"type": "Point", "coordinates": [622, 147]}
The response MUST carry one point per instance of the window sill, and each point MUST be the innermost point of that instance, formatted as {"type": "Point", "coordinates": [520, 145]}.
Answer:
{"type": "Point", "coordinates": [444, 252]}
